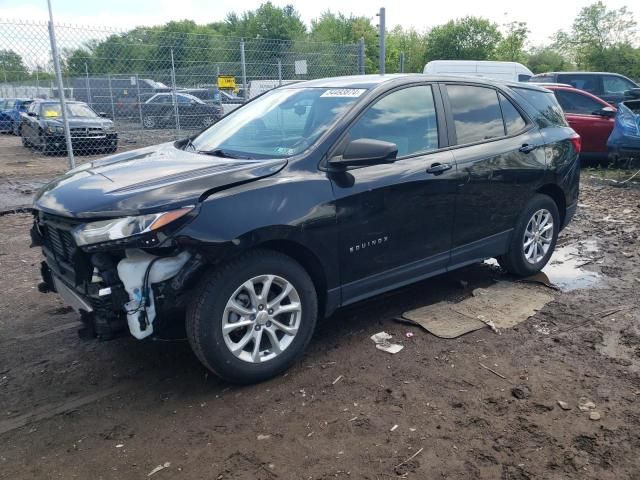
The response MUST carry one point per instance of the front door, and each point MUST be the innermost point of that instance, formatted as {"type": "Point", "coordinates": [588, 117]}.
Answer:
{"type": "Point", "coordinates": [395, 220]}
{"type": "Point", "coordinates": [580, 112]}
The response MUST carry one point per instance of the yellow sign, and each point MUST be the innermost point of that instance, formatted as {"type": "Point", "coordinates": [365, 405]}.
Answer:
{"type": "Point", "coordinates": [226, 82]}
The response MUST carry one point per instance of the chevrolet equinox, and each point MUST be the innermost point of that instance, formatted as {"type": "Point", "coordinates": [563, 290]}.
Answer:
{"type": "Point", "coordinates": [311, 197]}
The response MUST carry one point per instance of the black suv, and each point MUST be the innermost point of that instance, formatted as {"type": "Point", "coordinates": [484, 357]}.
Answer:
{"type": "Point", "coordinates": [308, 198]}
{"type": "Point", "coordinates": [41, 127]}
{"type": "Point", "coordinates": [611, 87]}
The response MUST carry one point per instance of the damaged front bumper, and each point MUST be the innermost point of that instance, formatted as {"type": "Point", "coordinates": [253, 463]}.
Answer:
{"type": "Point", "coordinates": [114, 290]}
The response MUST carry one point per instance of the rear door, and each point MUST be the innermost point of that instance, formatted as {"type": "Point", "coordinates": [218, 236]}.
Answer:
{"type": "Point", "coordinates": [580, 112]}
{"type": "Point", "coordinates": [395, 220]}
{"type": "Point", "coordinates": [591, 83]}
{"type": "Point", "coordinates": [499, 162]}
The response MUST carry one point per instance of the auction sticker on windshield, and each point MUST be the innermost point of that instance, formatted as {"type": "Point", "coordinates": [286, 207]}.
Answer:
{"type": "Point", "coordinates": [344, 92]}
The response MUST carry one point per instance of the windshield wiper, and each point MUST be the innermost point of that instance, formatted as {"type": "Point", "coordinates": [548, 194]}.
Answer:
{"type": "Point", "coordinates": [219, 152]}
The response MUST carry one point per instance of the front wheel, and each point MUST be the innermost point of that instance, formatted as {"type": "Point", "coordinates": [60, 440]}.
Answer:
{"type": "Point", "coordinates": [252, 319]}
{"type": "Point", "coordinates": [534, 237]}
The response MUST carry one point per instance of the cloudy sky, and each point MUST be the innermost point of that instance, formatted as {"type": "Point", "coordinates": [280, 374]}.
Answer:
{"type": "Point", "coordinates": [543, 16]}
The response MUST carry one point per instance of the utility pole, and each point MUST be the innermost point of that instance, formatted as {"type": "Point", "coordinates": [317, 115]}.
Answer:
{"type": "Point", "coordinates": [381, 26]}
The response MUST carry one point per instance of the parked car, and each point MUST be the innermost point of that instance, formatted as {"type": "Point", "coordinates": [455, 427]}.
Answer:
{"type": "Point", "coordinates": [230, 101]}
{"type": "Point", "coordinates": [624, 141]}
{"type": "Point", "coordinates": [508, 71]}
{"type": "Point", "coordinates": [590, 116]}
{"type": "Point", "coordinates": [610, 87]}
{"type": "Point", "coordinates": [10, 114]}
{"type": "Point", "coordinates": [311, 197]}
{"type": "Point", "coordinates": [41, 127]}
{"type": "Point", "coordinates": [159, 111]}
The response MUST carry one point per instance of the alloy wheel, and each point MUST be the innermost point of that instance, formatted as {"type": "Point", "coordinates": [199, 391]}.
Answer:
{"type": "Point", "coordinates": [538, 236]}
{"type": "Point", "coordinates": [261, 318]}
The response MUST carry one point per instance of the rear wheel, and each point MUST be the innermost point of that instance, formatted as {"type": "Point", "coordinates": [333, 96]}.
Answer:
{"type": "Point", "coordinates": [534, 237]}
{"type": "Point", "coordinates": [148, 121]}
{"type": "Point", "coordinates": [252, 318]}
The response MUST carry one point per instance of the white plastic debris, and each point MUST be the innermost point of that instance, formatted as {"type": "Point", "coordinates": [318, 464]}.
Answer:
{"type": "Point", "coordinates": [158, 468]}
{"type": "Point", "coordinates": [381, 339]}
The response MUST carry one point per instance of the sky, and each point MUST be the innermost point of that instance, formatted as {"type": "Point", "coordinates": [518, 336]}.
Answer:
{"type": "Point", "coordinates": [544, 17]}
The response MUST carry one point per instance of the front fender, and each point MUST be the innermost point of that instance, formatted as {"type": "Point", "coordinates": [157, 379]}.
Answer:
{"type": "Point", "coordinates": [297, 209]}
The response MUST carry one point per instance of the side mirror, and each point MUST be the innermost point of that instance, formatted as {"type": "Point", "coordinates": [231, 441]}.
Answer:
{"type": "Point", "coordinates": [102, 114]}
{"type": "Point", "coordinates": [364, 152]}
{"type": "Point", "coordinates": [608, 112]}
{"type": "Point", "coordinates": [633, 93]}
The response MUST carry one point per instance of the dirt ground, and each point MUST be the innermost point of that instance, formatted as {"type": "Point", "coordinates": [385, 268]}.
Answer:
{"type": "Point", "coordinates": [121, 409]}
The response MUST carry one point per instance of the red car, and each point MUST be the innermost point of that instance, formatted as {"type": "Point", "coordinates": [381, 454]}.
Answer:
{"type": "Point", "coordinates": [591, 117]}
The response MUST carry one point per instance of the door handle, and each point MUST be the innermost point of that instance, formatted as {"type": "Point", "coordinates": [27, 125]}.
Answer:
{"type": "Point", "coordinates": [438, 168]}
{"type": "Point", "coordinates": [527, 148]}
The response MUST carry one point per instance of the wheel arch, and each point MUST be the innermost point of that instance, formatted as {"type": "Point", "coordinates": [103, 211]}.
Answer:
{"type": "Point", "coordinates": [557, 195]}
{"type": "Point", "coordinates": [307, 259]}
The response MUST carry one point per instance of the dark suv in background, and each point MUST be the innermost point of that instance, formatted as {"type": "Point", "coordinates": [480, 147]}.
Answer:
{"type": "Point", "coordinates": [611, 87]}
{"type": "Point", "coordinates": [41, 127]}
{"type": "Point", "coordinates": [310, 197]}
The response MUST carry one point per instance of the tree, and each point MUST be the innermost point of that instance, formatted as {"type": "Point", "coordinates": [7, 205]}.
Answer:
{"type": "Point", "coordinates": [338, 28]}
{"type": "Point", "coordinates": [469, 38]}
{"type": "Point", "coordinates": [409, 42]}
{"type": "Point", "coordinates": [269, 21]}
{"type": "Point", "coordinates": [546, 59]}
{"type": "Point", "coordinates": [511, 47]}
{"type": "Point", "coordinates": [12, 66]}
{"type": "Point", "coordinates": [599, 39]}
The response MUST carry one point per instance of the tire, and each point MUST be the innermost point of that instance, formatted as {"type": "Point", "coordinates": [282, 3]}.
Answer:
{"type": "Point", "coordinates": [207, 121]}
{"type": "Point", "coordinates": [523, 261]}
{"type": "Point", "coordinates": [25, 142]}
{"type": "Point", "coordinates": [148, 122]}
{"type": "Point", "coordinates": [210, 309]}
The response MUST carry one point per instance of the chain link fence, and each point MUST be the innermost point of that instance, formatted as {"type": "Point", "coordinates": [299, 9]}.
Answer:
{"type": "Point", "coordinates": [143, 86]}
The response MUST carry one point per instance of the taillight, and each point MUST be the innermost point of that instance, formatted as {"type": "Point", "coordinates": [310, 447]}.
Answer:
{"type": "Point", "coordinates": [576, 141]}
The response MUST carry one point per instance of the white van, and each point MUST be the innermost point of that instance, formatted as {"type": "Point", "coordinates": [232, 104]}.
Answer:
{"type": "Point", "coordinates": [508, 71]}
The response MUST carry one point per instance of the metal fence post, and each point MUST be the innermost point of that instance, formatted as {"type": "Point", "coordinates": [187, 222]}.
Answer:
{"type": "Point", "coordinates": [113, 108]}
{"type": "Point", "coordinates": [173, 92]}
{"type": "Point", "coordinates": [86, 73]}
{"type": "Point", "coordinates": [244, 70]}
{"type": "Point", "coordinates": [361, 56]}
{"type": "Point", "coordinates": [279, 72]}
{"type": "Point", "coordinates": [37, 83]}
{"type": "Point", "coordinates": [401, 62]}
{"type": "Point", "coordinates": [382, 44]}
{"type": "Point", "coordinates": [63, 103]}
{"type": "Point", "coordinates": [139, 100]}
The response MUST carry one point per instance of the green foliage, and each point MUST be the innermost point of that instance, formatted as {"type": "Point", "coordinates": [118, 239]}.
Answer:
{"type": "Point", "coordinates": [511, 46]}
{"type": "Point", "coordinates": [546, 59]}
{"type": "Point", "coordinates": [409, 42]}
{"type": "Point", "coordinates": [338, 28]}
{"type": "Point", "coordinates": [12, 67]}
{"type": "Point", "coordinates": [468, 38]}
{"type": "Point", "coordinates": [602, 39]}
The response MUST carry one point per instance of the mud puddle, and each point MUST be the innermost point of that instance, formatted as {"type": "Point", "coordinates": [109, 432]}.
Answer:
{"type": "Point", "coordinates": [565, 269]}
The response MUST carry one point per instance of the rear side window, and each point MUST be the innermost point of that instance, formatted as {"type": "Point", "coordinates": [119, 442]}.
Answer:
{"type": "Point", "coordinates": [476, 113]}
{"type": "Point", "coordinates": [513, 121]}
{"type": "Point", "coordinates": [547, 111]}
{"type": "Point", "coordinates": [405, 117]}
{"type": "Point", "coordinates": [574, 102]}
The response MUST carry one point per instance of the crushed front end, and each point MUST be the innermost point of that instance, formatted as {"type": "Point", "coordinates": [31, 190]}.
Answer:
{"type": "Point", "coordinates": [119, 282]}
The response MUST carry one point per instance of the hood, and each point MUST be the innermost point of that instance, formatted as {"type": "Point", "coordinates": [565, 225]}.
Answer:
{"type": "Point", "coordinates": [80, 122]}
{"type": "Point", "coordinates": [146, 180]}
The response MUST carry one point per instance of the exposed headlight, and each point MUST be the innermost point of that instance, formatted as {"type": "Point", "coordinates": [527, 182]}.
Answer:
{"type": "Point", "coordinates": [55, 129]}
{"type": "Point", "coordinates": [118, 228]}
{"type": "Point", "coordinates": [108, 127]}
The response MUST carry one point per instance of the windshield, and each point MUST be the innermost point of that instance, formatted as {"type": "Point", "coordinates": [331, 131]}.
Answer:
{"type": "Point", "coordinates": [279, 124]}
{"type": "Point", "coordinates": [53, 110]}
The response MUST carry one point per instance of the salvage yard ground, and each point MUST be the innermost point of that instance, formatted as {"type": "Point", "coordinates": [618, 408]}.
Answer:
{"type": "Point", "coordinates": [484, 405]}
